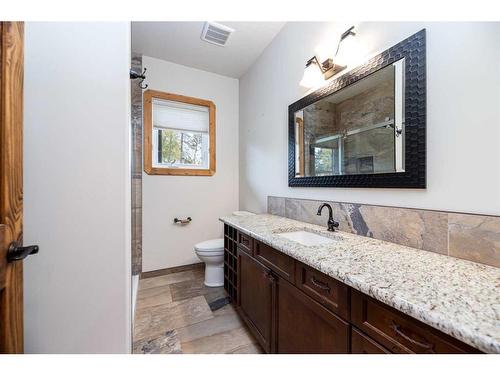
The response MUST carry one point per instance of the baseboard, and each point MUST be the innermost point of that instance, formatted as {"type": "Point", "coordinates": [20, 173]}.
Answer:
{"type": "Point", "coordinates": [166, 271]}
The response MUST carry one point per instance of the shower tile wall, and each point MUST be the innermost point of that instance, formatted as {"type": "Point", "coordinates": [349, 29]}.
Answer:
{"type": "Point", "coordinates": [136, 128]}
{"type": "Point", "coordinates": [466, 236]}
{"type": "Point", "coordinates": [325, 118]}
{"type": "Point", "coordinates": [319, 118]}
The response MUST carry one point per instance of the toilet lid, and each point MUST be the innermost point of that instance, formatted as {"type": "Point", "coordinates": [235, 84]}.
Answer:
{"type": "Point", "coordinates": [210, 245]}
{"type": "Point", "coordinates": [242, 213]}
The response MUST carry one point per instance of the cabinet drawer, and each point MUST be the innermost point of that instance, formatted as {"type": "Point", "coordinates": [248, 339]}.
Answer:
{"type": "Point", "coordinates": [280, 263]}
{"type": "Point", "coordinates": [362, 344]}
{"type": "Point", "coordinates": [245, 242]}
{"type": "Point", "coordinates": [331, 293]}
{"type": "Point", "coordinates": [399, 332]}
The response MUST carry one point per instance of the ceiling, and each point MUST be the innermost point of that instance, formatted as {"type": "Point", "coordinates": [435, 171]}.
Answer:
{"type": "Point", "coordinates": [180, 42]}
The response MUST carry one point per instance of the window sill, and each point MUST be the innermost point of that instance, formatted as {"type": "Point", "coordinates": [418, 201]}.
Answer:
{"type": "Point", "coordinates": [179, 171]}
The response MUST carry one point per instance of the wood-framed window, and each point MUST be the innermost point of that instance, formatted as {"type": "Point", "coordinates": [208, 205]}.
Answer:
{"type": "Point", "coordinates": [179, 135]}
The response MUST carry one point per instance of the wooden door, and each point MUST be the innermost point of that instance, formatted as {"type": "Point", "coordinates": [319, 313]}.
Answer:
{"type": "Point", "coordinates": [11, 185]}
{"type": "Point", "coordinates": [256, 296]}
{"type": "Point", "coordinates": [304, 326]}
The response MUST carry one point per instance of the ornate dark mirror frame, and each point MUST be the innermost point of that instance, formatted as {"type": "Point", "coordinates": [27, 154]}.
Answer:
{"type": "Point", "coordinates": [413, 51]}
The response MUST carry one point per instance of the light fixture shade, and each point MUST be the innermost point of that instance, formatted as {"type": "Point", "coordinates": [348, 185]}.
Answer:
{"type": "Point", "coordinates": [312, 75]}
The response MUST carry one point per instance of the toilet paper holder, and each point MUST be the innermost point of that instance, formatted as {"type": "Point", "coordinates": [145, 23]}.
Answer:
{"type": "Point", "coordinates": [183, 221]}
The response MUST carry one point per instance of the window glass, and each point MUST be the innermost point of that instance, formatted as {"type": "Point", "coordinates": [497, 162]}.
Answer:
{"type": "Point", "coordinates": [177, 148]}
{"type": "Point", "coordinates": [323, 161]}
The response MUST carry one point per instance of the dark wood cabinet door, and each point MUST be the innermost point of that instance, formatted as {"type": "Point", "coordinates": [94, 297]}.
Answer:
{"type": "Point", "coordinates": [304, 326]}
{"type": "Point", "coordinates": [256, 286]}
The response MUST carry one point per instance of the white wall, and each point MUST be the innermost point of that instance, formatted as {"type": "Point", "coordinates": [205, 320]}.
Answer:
{"type": "Point", "coordinates": [77, 187]}
{"type": "Point", "coordinates": [463, 114]}
{"type": "Point", "coordinates": [203, 198]}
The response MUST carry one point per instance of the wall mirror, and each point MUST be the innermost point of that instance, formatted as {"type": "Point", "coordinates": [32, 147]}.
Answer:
{"type": "Point", "coordinates": [366, 128]}
{"type": "Point", "coordinates": [179, 135]}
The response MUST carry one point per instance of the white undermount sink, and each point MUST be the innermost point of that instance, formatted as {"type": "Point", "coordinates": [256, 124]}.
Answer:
{"type": "Point", "coordinates": [307, 238]}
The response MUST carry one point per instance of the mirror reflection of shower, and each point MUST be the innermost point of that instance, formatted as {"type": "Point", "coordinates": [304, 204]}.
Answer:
{"type": "Point", "coordinates": [357, 130]}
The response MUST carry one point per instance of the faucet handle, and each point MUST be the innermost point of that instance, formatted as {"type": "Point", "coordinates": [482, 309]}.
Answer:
{"type": "Point", "coordinates": [332, 224]}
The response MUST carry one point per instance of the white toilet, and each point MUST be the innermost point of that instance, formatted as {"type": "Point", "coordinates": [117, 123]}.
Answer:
{"type": "Point", "coordinates": [211, 252]}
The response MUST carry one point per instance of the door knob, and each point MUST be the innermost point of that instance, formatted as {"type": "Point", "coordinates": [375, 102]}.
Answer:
{"type": "Point", "coordinates": [15, 252]}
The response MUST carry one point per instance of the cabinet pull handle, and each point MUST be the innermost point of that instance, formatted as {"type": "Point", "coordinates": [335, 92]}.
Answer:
{"type": "Point", "coordinates": [320, 284]}
{"type": "Point", "coordinates": [424, 345]}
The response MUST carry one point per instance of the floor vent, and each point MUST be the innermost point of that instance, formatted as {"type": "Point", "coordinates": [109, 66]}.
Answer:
{"type": "Point", "coordinates": [216, 33]}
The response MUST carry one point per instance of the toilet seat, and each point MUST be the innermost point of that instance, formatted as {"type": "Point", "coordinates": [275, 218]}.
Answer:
{"type": "Point", "coordinates": [209, 253]}
{"type": "Point", "coordinates": [210, 246]}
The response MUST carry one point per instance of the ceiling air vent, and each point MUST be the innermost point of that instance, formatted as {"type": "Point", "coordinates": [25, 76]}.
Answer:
{"type": "Point", "coordinates": [216, 33]}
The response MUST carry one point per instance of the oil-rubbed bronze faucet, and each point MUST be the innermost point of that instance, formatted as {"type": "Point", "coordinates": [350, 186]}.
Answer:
{"type": "Point", "coordinates": [332, 224]}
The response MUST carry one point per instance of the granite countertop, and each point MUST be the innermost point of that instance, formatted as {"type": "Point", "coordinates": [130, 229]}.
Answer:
{"type": "Point", "coordinates": [458, 297]}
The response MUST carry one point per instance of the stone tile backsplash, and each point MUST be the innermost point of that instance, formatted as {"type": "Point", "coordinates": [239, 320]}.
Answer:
{"type": "Point", "coordinates": [475, 237]}
{"type": "Point", "coordinates": [471, 237]}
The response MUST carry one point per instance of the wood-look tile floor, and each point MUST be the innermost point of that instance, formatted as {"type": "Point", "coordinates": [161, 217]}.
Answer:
{"type": "Point", "coordinates": [177, 313]}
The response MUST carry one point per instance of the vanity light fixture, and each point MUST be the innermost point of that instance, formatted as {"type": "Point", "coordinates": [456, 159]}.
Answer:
{"type": "Point", "coordinates": [315, 73]}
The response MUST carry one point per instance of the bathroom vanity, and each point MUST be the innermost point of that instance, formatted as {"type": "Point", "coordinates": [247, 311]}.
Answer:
{"type": "Point", "coordinates": [302, 289]}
